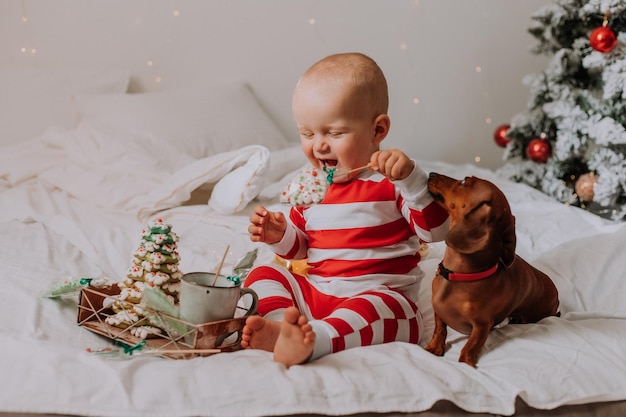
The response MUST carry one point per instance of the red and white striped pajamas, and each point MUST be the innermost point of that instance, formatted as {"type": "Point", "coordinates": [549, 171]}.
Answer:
{"type": "Point", "coordinates": [362, 244]}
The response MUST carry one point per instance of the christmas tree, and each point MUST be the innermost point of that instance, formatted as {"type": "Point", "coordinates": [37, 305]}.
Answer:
{"type": "Point", "coordinates": [571, 141]}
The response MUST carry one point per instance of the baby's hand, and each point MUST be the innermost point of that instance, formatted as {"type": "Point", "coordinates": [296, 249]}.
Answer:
{"type": "Point", "coordinates": [266, 226]}
{"type": "Point", "coordinates": [392, 163]}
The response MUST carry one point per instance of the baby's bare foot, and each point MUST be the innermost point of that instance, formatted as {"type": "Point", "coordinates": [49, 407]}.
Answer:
{"type": "Point", "coordinates": [296, 339]}
{"type": "Point", "coordinates": [260, 333]}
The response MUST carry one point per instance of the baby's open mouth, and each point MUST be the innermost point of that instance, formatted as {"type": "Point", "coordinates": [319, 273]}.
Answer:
{"type": "Point", "coordinates": [329, 163]}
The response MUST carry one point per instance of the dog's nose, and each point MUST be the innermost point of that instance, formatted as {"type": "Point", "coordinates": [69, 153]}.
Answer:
{"type": "Point", "coordinates": [432, 174]}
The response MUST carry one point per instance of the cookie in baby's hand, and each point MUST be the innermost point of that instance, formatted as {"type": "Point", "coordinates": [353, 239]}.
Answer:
{"type": "Point", "coordinates": [307, 187]}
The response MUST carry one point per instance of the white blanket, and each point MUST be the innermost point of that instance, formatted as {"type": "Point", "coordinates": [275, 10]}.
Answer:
{"type": "Point", "coordinates": [73, 203]}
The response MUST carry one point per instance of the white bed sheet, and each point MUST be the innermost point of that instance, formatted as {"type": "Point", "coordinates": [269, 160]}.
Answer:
{"type": "Point", "coordinates": [67, 210]}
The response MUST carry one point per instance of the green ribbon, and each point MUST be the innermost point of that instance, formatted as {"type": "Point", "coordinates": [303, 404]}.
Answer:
{"type": "Point", "coordinates": [129, 350]}
{"type": "Point", "coordinates": [235, 279]}
{"type": "Point", "coordinates": [330, 173]}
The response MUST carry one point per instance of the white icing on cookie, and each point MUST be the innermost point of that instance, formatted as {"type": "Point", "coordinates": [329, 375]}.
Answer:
{"type": "Point", "coordinates": [123, 318]}
{"type": "Point", "coordinates": [134, 271]}
{"type": "Point", "coordinates": [157, 278]}
{"type": "Point", "coordinates": [144, 332]}
{"type": "Point", "coordinates": [307, 187]}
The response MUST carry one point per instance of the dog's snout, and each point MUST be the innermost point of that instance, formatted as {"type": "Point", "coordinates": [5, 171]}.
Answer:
{"type": "Point", "coordinates": [432, 174]}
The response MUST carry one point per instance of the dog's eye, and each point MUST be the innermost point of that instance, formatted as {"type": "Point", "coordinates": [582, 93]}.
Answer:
{"type": "Point", "coordinates": [462, 182]}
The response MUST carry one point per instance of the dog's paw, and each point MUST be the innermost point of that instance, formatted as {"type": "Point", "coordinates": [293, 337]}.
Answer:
{"type": "Point", "coordinates": [435, 348]}
{"type": "Point", "coordinates": [468, 359]}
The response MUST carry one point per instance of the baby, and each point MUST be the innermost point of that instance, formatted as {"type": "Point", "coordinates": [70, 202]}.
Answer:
{"type": "Point", "coordinates": [361, 241]}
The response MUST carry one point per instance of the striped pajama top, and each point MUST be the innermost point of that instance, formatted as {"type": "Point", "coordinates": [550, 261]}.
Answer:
{"type": "Point", "coordinates": [367, 229]}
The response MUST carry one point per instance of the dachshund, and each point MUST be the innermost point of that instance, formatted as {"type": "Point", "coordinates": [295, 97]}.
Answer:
{"type": "Point", "coordinates": [480, 281]}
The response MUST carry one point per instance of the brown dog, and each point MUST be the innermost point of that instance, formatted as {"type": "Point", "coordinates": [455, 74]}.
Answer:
{"type": "Point", "coordinates": [481, 282]}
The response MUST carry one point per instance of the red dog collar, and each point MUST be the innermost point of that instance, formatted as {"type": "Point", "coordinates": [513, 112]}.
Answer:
{"type": "Point", "coordinates": [459, 276]}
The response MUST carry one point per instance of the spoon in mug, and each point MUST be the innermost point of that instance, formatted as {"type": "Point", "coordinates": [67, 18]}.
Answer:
{"type": "Point", "coordinates": [219, 268]}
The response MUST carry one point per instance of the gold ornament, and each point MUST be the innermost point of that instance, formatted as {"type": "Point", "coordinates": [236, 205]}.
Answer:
{"type": "Point", "coordinates": [584, 186]}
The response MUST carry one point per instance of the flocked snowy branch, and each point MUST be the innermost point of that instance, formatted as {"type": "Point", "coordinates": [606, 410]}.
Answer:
{"type": "Point", "coordinates": [578, 105]}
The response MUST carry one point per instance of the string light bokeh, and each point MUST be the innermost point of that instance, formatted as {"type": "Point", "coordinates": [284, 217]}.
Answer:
{"type": "Point", "coordinates": [166, 43]}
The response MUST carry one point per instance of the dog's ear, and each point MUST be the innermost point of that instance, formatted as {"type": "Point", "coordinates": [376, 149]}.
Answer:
{"type": "Point", "coordinates": [509, 240]}
{"type": "Point", "coordinates": [472, 234]}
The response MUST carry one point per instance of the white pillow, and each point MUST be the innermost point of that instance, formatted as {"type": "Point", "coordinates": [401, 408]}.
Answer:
{"type": "Point", "coordinates": [589, 273]}
{"type": "Point", "coordinates": [32, 100]}
{"type": "Point", "coordinates": [202, 121]}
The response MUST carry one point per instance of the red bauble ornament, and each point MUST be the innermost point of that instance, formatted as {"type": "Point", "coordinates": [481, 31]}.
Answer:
{"type": "Point", "coordinates": [500, 135]}
{"type": "Point", "coordinates": [603, 39]}
{"type": "Point", "coordinates": [538, 150]}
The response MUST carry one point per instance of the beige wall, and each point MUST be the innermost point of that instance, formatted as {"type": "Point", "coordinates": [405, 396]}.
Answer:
{"type": "Point", "coordinates": [429, 49]}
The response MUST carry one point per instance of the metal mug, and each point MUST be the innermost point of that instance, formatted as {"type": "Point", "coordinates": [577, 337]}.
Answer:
{"type": "Point", "coordinates": [202, 302]}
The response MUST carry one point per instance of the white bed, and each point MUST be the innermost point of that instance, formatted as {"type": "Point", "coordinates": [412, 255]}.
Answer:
{"type": "Point", "coordinates": [74, 198]}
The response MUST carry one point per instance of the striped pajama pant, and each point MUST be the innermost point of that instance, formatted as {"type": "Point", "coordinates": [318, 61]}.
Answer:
{"type": "Point", "coordinates": [341, 316]}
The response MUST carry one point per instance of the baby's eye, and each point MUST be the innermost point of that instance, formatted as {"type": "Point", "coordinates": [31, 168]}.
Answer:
{"type": "Point", "coordinates": [306, 135]}
{"type": "Point", "coordinates": [335, 134]}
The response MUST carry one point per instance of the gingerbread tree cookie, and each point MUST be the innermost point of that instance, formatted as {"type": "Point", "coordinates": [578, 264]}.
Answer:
{"type": "Point", "coordinates": [155, 264]}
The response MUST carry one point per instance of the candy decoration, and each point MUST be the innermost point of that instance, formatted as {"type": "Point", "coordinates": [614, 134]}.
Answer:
{"type": "Point", "coordinates": [500, 135]}
{"type": "Point", "coordinates": [538, 149]}
{"type": "Point", "coordinates": [126, 351]}
{"type": "Point", "coordinates": [585, 186]}
{"type": "Point", "coordinates": [330, 173]}
{"type": "Point", "coordinates": [297, 266]}
{"type": "Point", "coordinates": [67, 286]}
{"type": "Point", "coordinates": [71, 285]}
{"type": "Point", "coordinates": [235, 279]}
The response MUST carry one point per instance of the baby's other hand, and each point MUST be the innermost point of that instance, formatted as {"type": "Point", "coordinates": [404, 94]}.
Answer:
{"type": "Point", "coordinates": [392, 163]}
{"type": "Point", "coordinates": [266, 226]}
